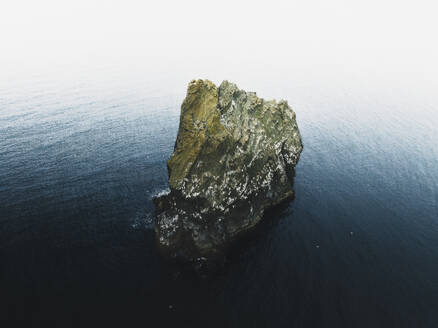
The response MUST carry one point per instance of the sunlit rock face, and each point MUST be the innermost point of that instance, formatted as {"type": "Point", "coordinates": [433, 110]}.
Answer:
{"type": "Point", "coordinates": [234, 157]}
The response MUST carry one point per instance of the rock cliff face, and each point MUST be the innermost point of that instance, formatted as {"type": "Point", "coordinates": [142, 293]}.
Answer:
{"type": "Point", "coordinates": [234, 156]}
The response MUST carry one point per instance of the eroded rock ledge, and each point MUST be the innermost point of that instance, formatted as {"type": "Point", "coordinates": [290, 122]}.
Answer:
{"type": "Point", "coordinates": [234, 156]}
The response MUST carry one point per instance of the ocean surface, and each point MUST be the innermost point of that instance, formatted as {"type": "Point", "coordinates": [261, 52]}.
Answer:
{"type": "Point", "coordinates": [81, 159]}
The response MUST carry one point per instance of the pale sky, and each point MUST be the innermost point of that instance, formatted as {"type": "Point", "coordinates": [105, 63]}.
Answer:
{"type": "Point", "coordinates": [310, 35]}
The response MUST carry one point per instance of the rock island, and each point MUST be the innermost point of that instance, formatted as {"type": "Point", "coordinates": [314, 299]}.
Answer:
{"type": "Point", "coordinates": [234, 157]}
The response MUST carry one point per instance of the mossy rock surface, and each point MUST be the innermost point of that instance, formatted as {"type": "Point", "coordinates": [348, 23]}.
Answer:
{"type": "Point", "coordinates": [235, 156]}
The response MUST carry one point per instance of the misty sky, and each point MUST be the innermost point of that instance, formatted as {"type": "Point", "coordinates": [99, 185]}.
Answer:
{"type": "Point", "coordinates": [206, 37]}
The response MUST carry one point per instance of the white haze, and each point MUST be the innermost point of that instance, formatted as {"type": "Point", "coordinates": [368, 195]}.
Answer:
{"type": "Point", "coordinates": [246, 41]}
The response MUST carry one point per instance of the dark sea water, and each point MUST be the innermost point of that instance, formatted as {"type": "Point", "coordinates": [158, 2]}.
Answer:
{"type": "Point", "coordinates": [81, 160]}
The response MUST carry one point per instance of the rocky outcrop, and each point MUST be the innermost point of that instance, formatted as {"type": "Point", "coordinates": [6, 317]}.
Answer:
{"type": "Point", "coordinates": [234, 156]}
